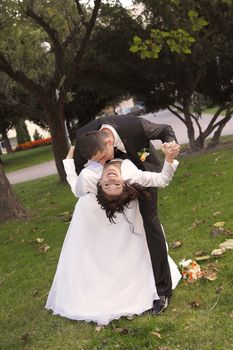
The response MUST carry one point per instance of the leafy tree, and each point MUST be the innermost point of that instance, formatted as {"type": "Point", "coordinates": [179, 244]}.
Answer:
{"type": "Point", "coordinates": [44, 43]}
{"type": "Point", "coordinates": [178, 78]}
{"type": "Point", "coordinates": [37, 135]}
{"type": "Point", "coordinates": [22, 131]}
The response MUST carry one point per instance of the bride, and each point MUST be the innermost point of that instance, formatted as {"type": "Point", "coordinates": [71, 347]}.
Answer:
{"type": "Point", "coordinates": [104, 270]}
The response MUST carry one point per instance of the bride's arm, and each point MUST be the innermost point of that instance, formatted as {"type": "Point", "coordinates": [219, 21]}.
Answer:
{"type": "Point", "coordinates": [132, 174]}
{"type": "Point", "coordinates": [87, 180]}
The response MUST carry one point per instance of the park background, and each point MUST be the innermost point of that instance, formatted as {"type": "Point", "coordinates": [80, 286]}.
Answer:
{"type": "Point", "coordinates": [65, 63]}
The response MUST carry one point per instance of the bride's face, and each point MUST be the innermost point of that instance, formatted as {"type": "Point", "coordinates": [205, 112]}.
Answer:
{"type": "Point", "coordinates": [111, 181]}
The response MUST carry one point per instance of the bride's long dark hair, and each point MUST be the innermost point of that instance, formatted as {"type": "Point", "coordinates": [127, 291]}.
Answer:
{"type": "Point", "coordinates": [113, 204]}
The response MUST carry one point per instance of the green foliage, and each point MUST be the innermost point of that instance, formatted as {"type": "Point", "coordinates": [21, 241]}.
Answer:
{"type": "Point", "coordinates": [198, 22]}
{"type": "Point", "coordinates": [179, 41]}
{"type": "Point", "coordinates": [22, 131]}
{"type": "Point", "coordinates": [37, 135]}
{"type": "Point", "coordinates": [200, 314]}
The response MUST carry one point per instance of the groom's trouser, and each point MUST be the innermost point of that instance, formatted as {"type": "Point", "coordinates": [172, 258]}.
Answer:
{"type": "Point", "coordinates": [156, 244]}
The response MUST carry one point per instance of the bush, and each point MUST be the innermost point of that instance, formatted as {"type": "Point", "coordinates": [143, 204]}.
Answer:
{"type": "Point", "coordinates": [33, 144]}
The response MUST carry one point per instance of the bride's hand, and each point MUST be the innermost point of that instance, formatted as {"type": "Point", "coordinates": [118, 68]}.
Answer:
{"type": "Point", "coordinates": [171, 151]}
{"type": "Point", "coordinates": [70, 154]}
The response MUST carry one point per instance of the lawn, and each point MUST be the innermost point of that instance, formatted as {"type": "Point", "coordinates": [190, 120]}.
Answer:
{"type": "Point", "coordinates": [200, 316]}
{"type": "Point", "coordinates": [23, 159]}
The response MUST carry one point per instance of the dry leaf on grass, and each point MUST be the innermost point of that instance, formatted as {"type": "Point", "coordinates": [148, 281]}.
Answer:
{"type": "Point", "coordinates": [195, 224]}
{"type": "Point", "coordinates": [176, 244]}
{"type": "Point", "coordinates": [202, 258]}
{"type": "Point", "coordinates": [219, 224]}
{"type": "Point", "coordinates": [216, 213]}
{"type": "Point", "coordinates": [25, 336]}
{"type": "Point", "coordinates": [200, 253]}
{"type": "Point", "coordinates": [210, 272]}
{"type": "Point", "coordinates": [123, 331]}
{"type": "Point", "coordinates": [218, 252]}
{"type": "Point", "coordinates": [156, 334]}
{"type": "Point", "coordinates": [44, 248]}
{"type": "Point", "coordinates": [231, 314]}
{"type": "Point", "coordinates": [195, 303]}
{"type": "Point", "coordinates": [228, 244]}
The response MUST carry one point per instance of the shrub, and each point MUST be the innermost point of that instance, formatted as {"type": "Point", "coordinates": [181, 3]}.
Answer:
{"type": "Point", "coordinates": [33, 144]}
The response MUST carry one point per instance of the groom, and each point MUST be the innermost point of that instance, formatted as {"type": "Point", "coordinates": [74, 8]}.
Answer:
{"type": "Point", "coordinates": [129, 137]}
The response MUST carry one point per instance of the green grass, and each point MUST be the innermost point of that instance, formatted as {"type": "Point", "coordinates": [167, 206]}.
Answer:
{"type": "Point", "coordinates": [23, 159]}
{"type": "Point", "coordinates": [201, 188]}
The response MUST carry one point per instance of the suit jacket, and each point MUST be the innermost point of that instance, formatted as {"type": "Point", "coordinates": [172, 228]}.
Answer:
{"type": "Point", "coordinates": [135, 133]}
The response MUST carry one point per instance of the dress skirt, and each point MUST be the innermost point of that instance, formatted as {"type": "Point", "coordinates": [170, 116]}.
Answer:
{"type": "Point", "coordinates": [104, 270]}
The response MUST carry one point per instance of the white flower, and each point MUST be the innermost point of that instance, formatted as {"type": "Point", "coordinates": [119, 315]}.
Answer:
{"type": "Point", "coordinates": [185, 263]}
{"type": "Point", "coordinates": [45, 46]}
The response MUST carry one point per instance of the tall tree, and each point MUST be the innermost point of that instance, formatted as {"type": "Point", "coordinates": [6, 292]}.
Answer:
{"type": "Point", "coordinates": [181, 76]}
{"type": "Point", "coordinates": [43, 48]}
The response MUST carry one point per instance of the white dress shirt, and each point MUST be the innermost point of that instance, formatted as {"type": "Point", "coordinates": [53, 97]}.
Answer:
{"type": "Point", "coordinates": [117, 143]}
{"type": "Point", "coordinates": [87, 180]}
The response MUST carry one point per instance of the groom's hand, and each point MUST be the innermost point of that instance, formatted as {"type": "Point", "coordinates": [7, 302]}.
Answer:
{"type": "Point", "coordinates": [171, 150]}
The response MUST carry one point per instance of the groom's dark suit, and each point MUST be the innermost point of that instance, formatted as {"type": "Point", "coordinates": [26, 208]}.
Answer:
{"type": "Point", "coordinates": [136, 133]}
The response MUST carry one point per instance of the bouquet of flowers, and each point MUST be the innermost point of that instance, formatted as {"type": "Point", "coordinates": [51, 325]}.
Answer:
{"type": "Point", "coordinates": [190, 270]}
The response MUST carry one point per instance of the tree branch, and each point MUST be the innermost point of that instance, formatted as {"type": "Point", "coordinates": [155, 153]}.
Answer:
{"type": "Point", "coordinates": [19, 76]}
{"type": "Point", "coordinates": [81, 14]}
{"type": "Point", "coordinates": [58, 48]}
{"type": "Point", "coordinates": [75, 66]}
{"type": "Point", "coordinates": [23, 109]}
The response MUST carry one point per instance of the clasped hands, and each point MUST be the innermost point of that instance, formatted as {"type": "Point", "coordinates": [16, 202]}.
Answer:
{"type": "Point", "coordinates": [171, 150]}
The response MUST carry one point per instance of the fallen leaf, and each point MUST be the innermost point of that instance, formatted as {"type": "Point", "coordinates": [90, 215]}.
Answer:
{"type": "Point", "coordinates": [44, 248]}
{"type": "Point", "coordinates": [195, 303]}
{"type": "Point", "coordinates": [204, 257]}
{"type": "Point", "coordinates": [219, 173]}
{"type": "Point", "coordinates": [231, 314]}
{"type": "Point", "coordinates": [218, 252]}
{"type": "Point", "coordinates": [35, 293]}
{"type": "Point", "coordinates": [64, 213]}
{"type": "Point", "coordinates": [39, 240]}
{"type": "Point", "coordinates": [25, 336]}
{"type": "Point", "coordinates": [200, 253]}
{"type": "Point", "coordinates": [211, 276]}
{"type": "Point", "coordinates": [228, 244]}
{"type": "Point", "coordinates": [98, 328]}
{"type": "Point", "coordinates": [216, 213]}
{"type": "Point", "coordinates": [195, 224]}
{"type": "Point", "coordinates": [219, 290]}
{"type": "Point", "coordinates": [216, 231]}
{"type": "Point", "coordinates": [176, 244]}
{"type": "Point", "coordinates": [123, 331]}
{"type": "Point", "coordinates": [219, 224]}
{"type": "Point", "coordinates": [156, 334]}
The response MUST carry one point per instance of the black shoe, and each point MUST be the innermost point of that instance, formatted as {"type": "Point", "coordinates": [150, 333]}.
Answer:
{"type": "Point", "coordinates": [160, 305]}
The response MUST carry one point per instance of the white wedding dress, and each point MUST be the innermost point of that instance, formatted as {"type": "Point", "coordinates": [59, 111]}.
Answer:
{"type": "Point", "coordinates": [104, 270]}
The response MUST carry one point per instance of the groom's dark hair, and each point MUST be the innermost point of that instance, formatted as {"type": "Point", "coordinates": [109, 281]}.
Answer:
{"type": "Point", "coordinates": [91, 142]}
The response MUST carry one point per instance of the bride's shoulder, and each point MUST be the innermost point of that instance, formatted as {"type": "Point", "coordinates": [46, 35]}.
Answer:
{"type": "Point", "coordinates": [128, 168]}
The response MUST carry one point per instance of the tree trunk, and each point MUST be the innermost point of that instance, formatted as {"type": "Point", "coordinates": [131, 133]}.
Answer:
{"type": "Point", "coordinates": [59, 139]}
{"type": "Point", "coordinates": [7, 143]}
{"type": "Point", "coordinates": [215, 139]}
{"type": "Point", "coordinates": [10, 207]}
